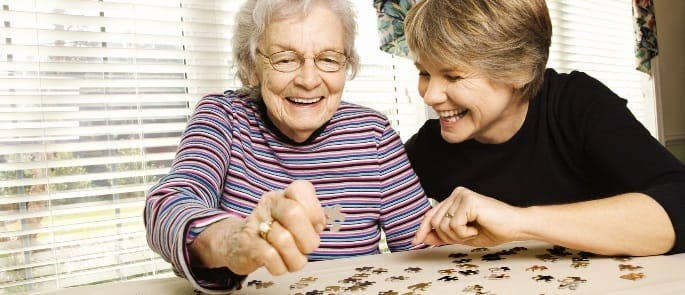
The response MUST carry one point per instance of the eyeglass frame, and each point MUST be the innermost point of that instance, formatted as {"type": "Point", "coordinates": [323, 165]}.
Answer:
{"type": "Point", "coordinates": [303, 58]}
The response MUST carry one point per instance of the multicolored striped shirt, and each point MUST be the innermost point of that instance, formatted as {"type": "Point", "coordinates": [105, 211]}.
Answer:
{"type": "Point", "coordinates": [230, 154]}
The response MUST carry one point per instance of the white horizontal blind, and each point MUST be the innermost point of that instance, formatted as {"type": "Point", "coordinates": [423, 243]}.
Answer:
{"type": "Point", "coordinates": [597, 37]}
{"type": "Point", "coordinates": [93, 98]}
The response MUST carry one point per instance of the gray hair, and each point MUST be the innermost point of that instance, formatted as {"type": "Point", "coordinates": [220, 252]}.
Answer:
{"type": "Point", "coordinates": [254, 16]}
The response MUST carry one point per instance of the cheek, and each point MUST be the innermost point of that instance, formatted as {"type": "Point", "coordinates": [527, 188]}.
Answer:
{"type": "Point", "coordinates": [275, 83]}
{"type": "Point", "coordinates": [423, 84]}
{"type": "Point", "coordinates": [336, 83]}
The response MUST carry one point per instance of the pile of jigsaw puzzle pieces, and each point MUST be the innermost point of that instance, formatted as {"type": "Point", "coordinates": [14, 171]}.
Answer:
{"type": "Point", "coordinates": [461, 267]}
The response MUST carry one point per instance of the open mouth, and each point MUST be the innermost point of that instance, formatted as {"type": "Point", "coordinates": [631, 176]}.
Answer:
{"type": "Point", "coordinates": [452, 115]}
{"type": "Point", "coordinates": [304, 100]}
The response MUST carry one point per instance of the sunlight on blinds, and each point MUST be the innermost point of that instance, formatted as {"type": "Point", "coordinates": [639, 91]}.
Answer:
{"type": "Point", "coordinates": [596, 37]}
{"type": "Point", "coordinates": [93, 98]}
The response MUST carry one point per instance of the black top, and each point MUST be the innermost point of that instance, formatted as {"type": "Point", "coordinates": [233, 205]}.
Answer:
{"type": "Point", "coordinates": [578, 142]}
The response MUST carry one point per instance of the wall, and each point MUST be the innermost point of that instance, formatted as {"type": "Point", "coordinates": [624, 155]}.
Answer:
{"type": "Point", "coordinates": [670, 72]}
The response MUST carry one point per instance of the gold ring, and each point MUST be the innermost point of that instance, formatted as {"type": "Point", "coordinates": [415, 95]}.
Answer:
{"type": "Point", "coordinates": [448, 215]}
{"type": "Point", "coordinates": [265, 228]}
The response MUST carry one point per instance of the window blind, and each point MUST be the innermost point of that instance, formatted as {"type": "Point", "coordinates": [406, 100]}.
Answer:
{"type": "Point", "coordinates": [93, 98]}
{"type": "Point", "coordinates": [597, 37]}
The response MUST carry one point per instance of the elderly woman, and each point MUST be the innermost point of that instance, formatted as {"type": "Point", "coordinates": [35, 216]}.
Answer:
{"type": "Point", "coordinates": [256, 168]}
{"type": "Point", "coordinates": [521, 152]}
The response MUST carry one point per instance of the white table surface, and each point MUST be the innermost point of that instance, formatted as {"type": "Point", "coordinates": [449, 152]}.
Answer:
{"type": "Point", "coordinates": [662, 275]}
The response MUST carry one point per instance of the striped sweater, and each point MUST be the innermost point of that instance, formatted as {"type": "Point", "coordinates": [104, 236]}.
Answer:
{"type": "Point", "coordinates": [230, 154]}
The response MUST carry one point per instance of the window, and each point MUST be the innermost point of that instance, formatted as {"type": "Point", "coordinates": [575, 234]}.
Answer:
{"type": "Point", "coordinates": [93, 98]}
{"type": "Point", "coordinates": [596, 37]}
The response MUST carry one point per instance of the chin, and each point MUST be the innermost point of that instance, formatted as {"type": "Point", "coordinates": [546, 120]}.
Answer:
{"type": "Point", "coordinates": [453, 138]}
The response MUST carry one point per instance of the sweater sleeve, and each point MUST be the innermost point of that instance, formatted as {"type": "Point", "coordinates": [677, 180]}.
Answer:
{"type": "Point", "coordinates": [625, 154]}
{"type": "Point", "coordinates": [403, 202]}
{"type": "Point", "coordinates": [190, 194]}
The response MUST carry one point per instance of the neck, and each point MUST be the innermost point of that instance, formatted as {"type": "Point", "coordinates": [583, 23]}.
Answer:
{"type": "Point", "coordinates": [503, 129]}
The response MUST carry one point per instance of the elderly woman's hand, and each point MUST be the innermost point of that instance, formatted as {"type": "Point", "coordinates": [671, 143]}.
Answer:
{"type": "Point", "coordinates": [469, 218]}
{"type": "Point", "coordinates": [296, 219]}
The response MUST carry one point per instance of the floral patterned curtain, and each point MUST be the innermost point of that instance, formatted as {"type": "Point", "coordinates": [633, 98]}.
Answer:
{"type": "Point", "coordinates": [646, 46]}
{"type": "Point", "coordinates": [391, 14]}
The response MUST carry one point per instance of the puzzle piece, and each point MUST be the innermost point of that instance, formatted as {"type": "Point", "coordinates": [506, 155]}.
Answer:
{"type": "Point", "coordinates": [458, 255]}
{"type": "Point", "coordinates": [547, 257]}
{"type": "Point", "coordinates": [389, 292]}
{"type": "Point", "coordinates": [497, 269]}
{"type": "Point", "coordinates": [558, 251]}
{"type": "Point", "coordinates": [379, 270]}
{"type": "Point", "coordinates": [334, 217]}
{"type": "Point", "coordinates": [334, 289]}
{"type": "Point", "coordinates": [497, 276]}
{"type": "Point", "coordinates": [571, 283]}
{"type": "Point", "coordinates": [259, 284]}
{"type": "Point", "coordinates": [543, 278]}
{"type": "Point", "coordinates": [364, 268]}
{"type": "Point", "coordinates": [628, 267]}
{"type": "Point", "coordinates": [419, 286]}
{"type": "Point", "coordinates": [303, 283]}
{"type": "Point", "coordinates": [448, 278]}
{"type": "Point", "coordinates": [586, 254]}
{"type": "Point", "coordinates": [349, 280]}
{"type": "Point", "coordinates": [359, 286]}
{"type": "Point", "coordinates": [536, 267]}
{"type": "Point", "coordinates": [476, 289]}
{"type": "Point", "coordinates": [396, 278]}
{"type": "Point", "coordinates": [479, 249]}
{"type": "Point", "coordinates": [447, 271]}
{"type": "Point", "coordinates": [413, 269]}
{"type": "Point", "coordinates": [473, 288]}
{"type": "Point", "coordinates": [468, 272]}
{"type": "Point", "coordinates": [462, 260]}
{"type": "Point", "coordinates": [633, 276]}
{"type": "Point", "coordinates": [298, 285]}
{"type": "Point", "coordinates": [579, 264]}
{"type": "Point", "coordinates": [467, 266]}
{"type": "Point", "coordinates": [491, 257]}
{"type": "Point", "coordinates": [506, 252]}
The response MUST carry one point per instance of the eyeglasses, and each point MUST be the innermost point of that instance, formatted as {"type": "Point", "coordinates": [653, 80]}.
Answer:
{"type": "Point", "coordinates": [288, 61]}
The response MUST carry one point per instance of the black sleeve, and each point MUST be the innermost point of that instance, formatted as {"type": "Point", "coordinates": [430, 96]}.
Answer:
{"type": "Point", "coordinates": [624, 153]}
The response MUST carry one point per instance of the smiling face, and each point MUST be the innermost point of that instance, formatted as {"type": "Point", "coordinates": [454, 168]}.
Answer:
{"type": "Point", "coordinates": [301, 101]}
{"type": "Point", "coordinates": [470, 106]}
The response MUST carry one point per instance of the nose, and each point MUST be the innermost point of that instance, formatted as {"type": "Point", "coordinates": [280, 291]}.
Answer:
{"type": "Point", "coordinates": [434, 93]}
{"type": "Point", "coordinates": [308, 76]}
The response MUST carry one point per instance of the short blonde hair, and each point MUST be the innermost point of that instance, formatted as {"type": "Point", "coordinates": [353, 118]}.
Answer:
{"type": "Point", "coordinates": [255, 15]}
{"type": "Point", "coordinates": [506, 40]}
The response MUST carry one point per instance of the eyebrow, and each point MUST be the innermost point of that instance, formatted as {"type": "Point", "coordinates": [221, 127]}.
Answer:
{"type": "Point", "coordinates": [442, 71]}
{"type": "Point", "coordinates": [290, 48]}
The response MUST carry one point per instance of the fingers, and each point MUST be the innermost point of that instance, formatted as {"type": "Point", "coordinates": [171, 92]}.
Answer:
{"type": "Point", "coordinates": [268, 256]}
{"type": "Point", "coordinates": [425, 228]}
{"type": "Point", "coordinates": [303, 193]}
{"type": "Point", "coordinates": [291, 217]}
{"type": "Point", "coordinates": [280, 239]}
{"type": "Point", "coordinates": [450, 219]}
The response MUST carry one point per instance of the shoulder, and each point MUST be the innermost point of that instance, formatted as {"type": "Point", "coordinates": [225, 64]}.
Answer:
{"type": "Point", "coordinates": [576, 92]}
{"type": "Point", "coordinates": [229, 102]}
{"type": "Point", "coordinates": [352, 114]}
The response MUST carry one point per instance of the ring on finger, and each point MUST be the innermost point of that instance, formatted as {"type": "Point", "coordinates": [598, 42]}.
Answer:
{"type": "Point", "coordinates": [265, 228]}
{"type": "Point", "coordinates": [448, 215]}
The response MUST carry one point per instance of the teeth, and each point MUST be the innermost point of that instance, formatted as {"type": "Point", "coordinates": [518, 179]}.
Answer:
{"type": "Point", "coordinates": [450, 113]}
{"type": "Point", "coordinates": [305, 100]}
